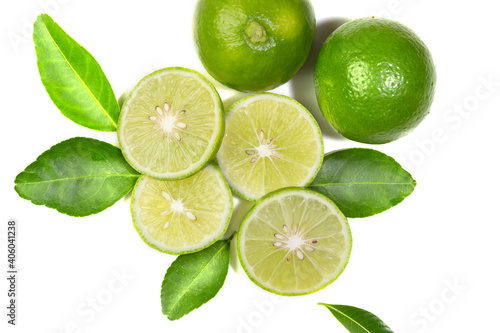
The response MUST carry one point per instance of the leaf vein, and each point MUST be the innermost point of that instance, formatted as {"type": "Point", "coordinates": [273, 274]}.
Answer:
{"type": "Point", "coordinates": [359, 183]}
{"type": "Point", "coordinates": [195, 279]}
{"type": "Point", "coordinates": [76, 178]}
{"type": "Point", "coordinates": [79, 78]}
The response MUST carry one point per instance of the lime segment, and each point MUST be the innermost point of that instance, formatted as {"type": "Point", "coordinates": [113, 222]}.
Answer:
{"type": "Point", "coordinates": [172, 124]}
{"type": "Point", "coordinates": [294, 241]}
{"type": "Point", "coordinates": [182, 216]}
{"type": "Point", "coordinates": [271, 142]}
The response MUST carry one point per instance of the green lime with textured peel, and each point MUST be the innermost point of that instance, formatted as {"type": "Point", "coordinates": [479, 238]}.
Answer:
{"type": "Point", "coordinates": [253, 45]}
{"type": "Point", "coordinates": [374, 80]}
{"type": "Point", "coordinates": [294, 241]}
{"type": "Point", "coordinates": [171, 124]}
{"type": "Point", "coordinates": [182, 216]}
{"type": "Point", "coordinates": [271, 141]}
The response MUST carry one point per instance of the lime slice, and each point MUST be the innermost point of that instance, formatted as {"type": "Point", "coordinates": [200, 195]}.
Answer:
{"type": "Point", "coordinates": [294, 241]}
{"type": "Point", "coordinates": [182, 216]}
{"type": "Point", "coordinates": [271, 142]}
{"type": "Point", "coordinates": [171, 124]}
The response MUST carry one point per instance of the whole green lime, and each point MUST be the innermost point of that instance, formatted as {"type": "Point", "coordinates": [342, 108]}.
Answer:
{"type": "Point", "coordinates": [253, 45]}
{"type": "Point", "coordinates": [374, 80]}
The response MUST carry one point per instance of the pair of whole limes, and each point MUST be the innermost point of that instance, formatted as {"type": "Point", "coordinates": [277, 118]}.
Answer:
{"type": "Point", "coordinates": [374, 77]}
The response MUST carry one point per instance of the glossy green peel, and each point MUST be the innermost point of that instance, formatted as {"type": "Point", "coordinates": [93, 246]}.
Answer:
{"type": "Point", "coordinates": [374, 80]}
{"type": "Point", "coordinates": [253, 45]}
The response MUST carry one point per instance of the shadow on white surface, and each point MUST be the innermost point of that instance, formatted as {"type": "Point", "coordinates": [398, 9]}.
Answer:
{"type": "Point", "coordinates": [241, 207]}
{"type": "Point", "coordinates": [302, 84]}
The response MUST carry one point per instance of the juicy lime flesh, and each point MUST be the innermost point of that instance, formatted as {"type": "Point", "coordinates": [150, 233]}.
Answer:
{"type": "Point", "coordinates": [270, 143]}
{"type": "Point", "coordinates": [184, 215]}
{"type": "Point", "coordinates": [294, 243]}
{"type": "Point", "coordinates": [253, 45]}
{"type": "Point", "coordinates": [374, 80]}
{"type": "Point", "coordinates": [170, 124]}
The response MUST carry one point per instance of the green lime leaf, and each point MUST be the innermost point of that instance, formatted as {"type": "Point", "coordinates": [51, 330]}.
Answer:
{"type": "Point", "coordinates": [73, 79]}
{"type": "Point", "coordinates": [357, 320]}
{"type": "Point", "coordinates": [193, 279]}
{"type": "Point", "coordinates": [78, 177]}
{"type": "Point", "coordinates": [363, 182]}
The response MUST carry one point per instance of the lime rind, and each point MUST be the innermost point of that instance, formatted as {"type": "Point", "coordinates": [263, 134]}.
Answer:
{"type": "Point", "coordinates": [225, 220]}
{"type": "Point", "coordinates": [253, 46]}
{"type": "Point", "coordinates": [374, 80]}
{"type": "Point", "coordinates": [276, 195]}
{"type": "Point", "coordinates": [215, 140]}
{"type": "Point", "coordinates": [304, 112]}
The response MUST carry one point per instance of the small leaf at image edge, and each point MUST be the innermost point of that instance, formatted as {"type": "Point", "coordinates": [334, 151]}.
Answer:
{"type": "Point", "coordinates": [357, 320]}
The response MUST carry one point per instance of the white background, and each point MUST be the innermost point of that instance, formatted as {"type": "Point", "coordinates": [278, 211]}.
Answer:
{"type": "Point", "coordinates": [404, 262]}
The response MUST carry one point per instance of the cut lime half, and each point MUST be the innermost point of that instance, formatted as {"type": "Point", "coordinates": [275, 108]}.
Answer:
{"type": "Point", "coordinates": [171, 124]}
{"type": "Point", "coordinates": [185, 215]}
{"type": "Point", "coordinates": [294, 241]}
{"type": "Point", "coordinates": [271, 141]}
